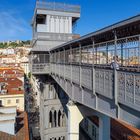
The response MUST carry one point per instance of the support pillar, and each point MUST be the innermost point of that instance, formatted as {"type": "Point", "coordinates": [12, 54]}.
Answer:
{"type": "Point", "coordinates": [104, 127]}
{"type": "Point", "coordinates": [74, 119]}
{"type": "Point", "coordinates": [53, 119]}
{"type": "Point", "coordinates": [56, 118]}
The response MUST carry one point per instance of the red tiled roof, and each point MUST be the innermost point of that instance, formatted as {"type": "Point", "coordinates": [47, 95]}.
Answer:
{"type": "Point", "coordinates": [11, 71]}
{"type": "Point", "coordinates": [22, 134]}
{"type": "Point", "coordinates": [12, 85]}
{"type": "Point", "coordinates": [120, 130]}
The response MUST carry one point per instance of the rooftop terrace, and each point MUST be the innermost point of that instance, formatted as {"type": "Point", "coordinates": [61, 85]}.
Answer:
{"type": "Point", "coordinates": [57, 6]}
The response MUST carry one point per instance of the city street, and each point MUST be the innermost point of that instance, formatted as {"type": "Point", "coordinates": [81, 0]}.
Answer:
{"type": "Point", "coordinates": [32, 110]}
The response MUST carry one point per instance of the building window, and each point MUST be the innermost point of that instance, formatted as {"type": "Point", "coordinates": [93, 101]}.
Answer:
{"type": "Point", "coordinates": [9, 101]}
{"type": "Point", "coordinates": [0, 102]}
{"type": "Point", "coordinates": [17, 100]}
{"type": "Point", "coordinates": [86, 124]}
{"type": "Point", "coordinates": [94, 132]}
{"type": "Point", "coordinates": [41, 19]}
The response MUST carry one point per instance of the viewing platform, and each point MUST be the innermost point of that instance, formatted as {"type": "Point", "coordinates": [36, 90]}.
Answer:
{"type": "Point", "coordinates": [53, 6]}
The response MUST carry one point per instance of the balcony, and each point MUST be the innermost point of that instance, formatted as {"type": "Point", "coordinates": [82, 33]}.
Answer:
{"type": "Point", "coordinates": [53, 6]}
{"type": "Point", "coordinates": [46, 36]}
{"type": "Point", "coordinates": [39, 64]}
{"type": "Point", "coordinates": [40, 69]}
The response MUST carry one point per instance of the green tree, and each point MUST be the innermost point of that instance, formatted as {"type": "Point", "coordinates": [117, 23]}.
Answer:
{"type": "Point", "coordinates": [29, 75]}
{"type": "Point", "coordinates": [13, 44]}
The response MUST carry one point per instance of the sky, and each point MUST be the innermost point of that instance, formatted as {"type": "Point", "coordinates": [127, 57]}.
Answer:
{"type": "Point", "coordinates": [16, 15]}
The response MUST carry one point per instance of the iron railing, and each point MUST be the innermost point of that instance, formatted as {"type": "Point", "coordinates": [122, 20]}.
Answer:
{"type": "Point", "coordinates": [127, 83]}
{"type": "Point", "coordinates": [82, 66]}
{"type": "Point", "coordinates": [53, 36]}
{"type": "Point", "coordinates": [124, 51]}
{"type": "Point", "coordinates": [57, 6]}
{"type": "Point", "coordinates": [40, 68]}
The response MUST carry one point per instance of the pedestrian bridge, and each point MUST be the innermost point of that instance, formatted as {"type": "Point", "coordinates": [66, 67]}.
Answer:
{"type": "Point", "coordinates": [82, 67]}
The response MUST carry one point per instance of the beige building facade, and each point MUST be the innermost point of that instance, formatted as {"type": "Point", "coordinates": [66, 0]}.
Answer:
{"type": "Point", "coordinates": [13, 100]}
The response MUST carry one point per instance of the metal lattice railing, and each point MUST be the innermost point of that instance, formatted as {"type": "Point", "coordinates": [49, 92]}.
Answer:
{"type": "Point", "coordinates": [40, 68]}
{"type": "Point", "coordinates": [127, 83]}
{"type": "Point", "coordinates": [58, 6]}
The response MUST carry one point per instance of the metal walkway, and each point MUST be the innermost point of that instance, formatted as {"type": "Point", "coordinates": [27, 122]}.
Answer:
{"type": "Point", "coordinates": [100, 70]}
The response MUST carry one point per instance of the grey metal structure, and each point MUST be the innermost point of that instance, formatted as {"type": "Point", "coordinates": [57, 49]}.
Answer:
{"type": "Point", "coordinates": [89, 78]}
{"type": "Point", "coordinates": [99, 70]}
{"type": "Point", "coordinates": [52, 25]}
{"type": "Point", "coordinates": [82, 68]}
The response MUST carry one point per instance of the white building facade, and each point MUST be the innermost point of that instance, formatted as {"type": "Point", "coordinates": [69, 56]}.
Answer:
{"type": "Point", "coordinates": [8, 119]}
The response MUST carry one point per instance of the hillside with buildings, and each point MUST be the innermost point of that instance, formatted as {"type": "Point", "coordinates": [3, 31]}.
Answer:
{"type": "Point", "coordinates": [14, 44]}
{"type": "Point", "coordinates": [15, 54]}
{"type": "Point", "coordinates": [14, 64]}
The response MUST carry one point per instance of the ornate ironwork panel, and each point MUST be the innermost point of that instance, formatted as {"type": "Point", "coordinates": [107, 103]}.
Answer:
{"type": "Point", "coordinates": [104, 82]}
{"type": "Point", "coordinates": [76, 74]}
{"type": "Point", "coordinates": [61, 70]}
{"type": "Point", "coordinates": [137, 90]}
{"type": "Point", "coordinates": [121, 86]}
{"type": "Point", "coordinates": [86, 77]}
{"type": "Point", "coordinates": [129, 88]}
{"type": "Point", "coordinates": [68, 72]}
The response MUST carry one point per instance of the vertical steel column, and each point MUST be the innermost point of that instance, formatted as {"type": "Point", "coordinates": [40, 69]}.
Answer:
{"type": "Point", "coordinates": [93, 80]}
{"type": "Point", "coordinates": [59, 64]}
{"type": "Point", "coordinates": [107, 53]}
{"type": "Point", "coordinates": [115, 71]}
{"type": "Point", "coordinates": [93, 73]}
{"type": "Point", "coordinates": [139, 54]}
{"type": "Point", "coordinates": [71, 63]}
{"type": "Point", "coordinates": [64, 63]}
{"type": "Point", "coordinates": [80, 66]}
{"type": "Point", "coordinates": [125, 53]}
{"type": "Point", "coordinates": [116, 78]}
{"type": "Point", "coordinates": [122, 54]}
{"type": "Point", "coordinates": [55, 63]}
{"type": "Point", "coordinates": [128, 54]}
{"type": "Point", "coordinates": [104, 127]}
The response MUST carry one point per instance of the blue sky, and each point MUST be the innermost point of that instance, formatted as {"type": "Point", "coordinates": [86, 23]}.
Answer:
{"type": "Point", "coordinates": [15, 15]}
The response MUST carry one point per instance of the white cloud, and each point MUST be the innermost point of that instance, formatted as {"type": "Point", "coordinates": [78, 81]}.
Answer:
{"type": "Point", "coordinates": [12, 26]}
